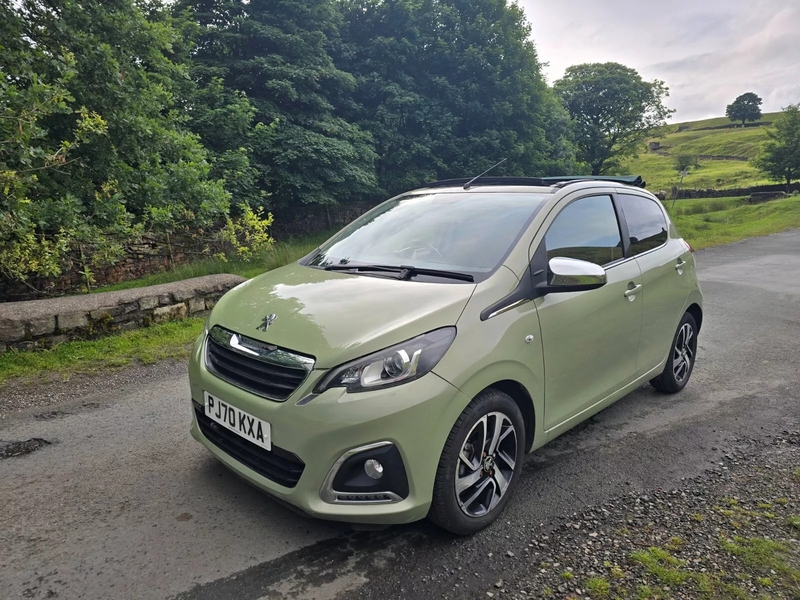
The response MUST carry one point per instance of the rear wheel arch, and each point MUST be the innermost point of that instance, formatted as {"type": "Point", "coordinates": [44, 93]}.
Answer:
{"type": "Point", "coordinates": [697, 313]}
{"type": "Point", "coordinates": [523, 399]}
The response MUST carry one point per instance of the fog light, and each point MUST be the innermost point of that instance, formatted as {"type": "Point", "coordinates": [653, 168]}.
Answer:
{"type": "Point", "coordinates": [373, 468]}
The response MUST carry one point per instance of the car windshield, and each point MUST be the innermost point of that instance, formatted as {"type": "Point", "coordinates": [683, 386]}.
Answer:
{"type": "Point", "coordinates": [468, 233]}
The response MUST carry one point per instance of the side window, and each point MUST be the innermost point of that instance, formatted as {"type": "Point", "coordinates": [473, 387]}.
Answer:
{"type": "Point", "coordinates": [586, 229]}
{"type": "Point", "coordinates": [647, 226]}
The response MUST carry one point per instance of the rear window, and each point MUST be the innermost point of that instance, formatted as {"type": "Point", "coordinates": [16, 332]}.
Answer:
{"type": "Point", "coordinates": [647, 226]}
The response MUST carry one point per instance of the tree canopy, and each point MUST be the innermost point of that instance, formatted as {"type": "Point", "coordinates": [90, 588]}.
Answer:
{"type": "Point", "coordinates": [746, 107]}
{"type": "Point", "coordinates": [123, 118]}
{"type": "Point", "coordinates": [449, 88]}
{"type": "Point", "coordinates": [613, 109]}
{"type": "Point", "coordinates": [780, 157]}
{"type": "Point", "coordinates": [93, 143]}
{"type": "Point", "coordinates": [276, 53]}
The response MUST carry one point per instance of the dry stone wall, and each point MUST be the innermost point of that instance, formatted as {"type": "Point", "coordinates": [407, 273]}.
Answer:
{"type": "Point", "coordinates": [35, 324]}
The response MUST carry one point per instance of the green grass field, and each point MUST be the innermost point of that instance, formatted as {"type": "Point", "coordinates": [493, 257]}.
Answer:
{"type": "Point", "coordinates": [693, 139]}
{"type": "Point", "coordinates": [660, 174]}
{"type": "Point", "coordinates": [745, 143]}
{"type": "Point", "coordinates": [717, 221]}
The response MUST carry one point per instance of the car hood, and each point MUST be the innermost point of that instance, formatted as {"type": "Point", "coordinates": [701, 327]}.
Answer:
{"type": "Point", "coordinates": [334, 316]}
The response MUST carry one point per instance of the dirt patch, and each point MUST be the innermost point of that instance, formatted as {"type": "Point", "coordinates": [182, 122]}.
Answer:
{"type": "Point", "coordinates": [13, 449]}
{"type": "Point", "coordinates": [52, 389]}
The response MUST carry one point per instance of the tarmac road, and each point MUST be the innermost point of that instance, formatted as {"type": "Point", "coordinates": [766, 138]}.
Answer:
{"type": "Point", "coordinates": [124, 504]}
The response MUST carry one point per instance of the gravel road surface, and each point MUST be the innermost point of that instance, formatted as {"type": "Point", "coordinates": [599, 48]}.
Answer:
{"type": "Point", "coordinates": [121, 502]}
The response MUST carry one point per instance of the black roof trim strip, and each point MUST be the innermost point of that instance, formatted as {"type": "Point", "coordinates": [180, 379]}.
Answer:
{"type": "Point", "coordinates": [460, 182]}
{"type": "Point", "coordinates": [559, 181]}
{"type": "Point", "coordinates": [633, 180]}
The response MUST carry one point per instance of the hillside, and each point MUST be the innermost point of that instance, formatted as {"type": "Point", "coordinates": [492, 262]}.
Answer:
{"type": "Point", "coordinates": [723, 152]}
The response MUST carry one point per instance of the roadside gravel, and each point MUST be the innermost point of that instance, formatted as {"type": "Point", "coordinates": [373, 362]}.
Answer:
{"type": "Point", "coordinates": [732, 533]}
{"type": "Point", "coordinates": [53, 390]}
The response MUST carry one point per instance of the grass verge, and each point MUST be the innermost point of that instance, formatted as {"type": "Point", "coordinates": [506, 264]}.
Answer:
{"type": "Point", "coordinates": [717, 227]}
{"type": "Point", "coordinates": [143, 346]}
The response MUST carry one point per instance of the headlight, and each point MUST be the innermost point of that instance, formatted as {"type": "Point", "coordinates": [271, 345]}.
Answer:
{"type": "Point", "coordinates": [392, 366]}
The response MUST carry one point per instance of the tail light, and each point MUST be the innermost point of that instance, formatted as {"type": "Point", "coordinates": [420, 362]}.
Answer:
{"type": "Point", "coordinates": [688, 246]}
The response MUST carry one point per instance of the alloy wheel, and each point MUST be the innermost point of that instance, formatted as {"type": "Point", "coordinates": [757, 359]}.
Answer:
{"type": "Point", "coordinates": [486, 464]}
{"type": "Point", "coordinates": [683, 353]}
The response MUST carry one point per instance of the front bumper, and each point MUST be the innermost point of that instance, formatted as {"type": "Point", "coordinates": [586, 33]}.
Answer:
{"type": "Point", "coordinates": [416, 417]}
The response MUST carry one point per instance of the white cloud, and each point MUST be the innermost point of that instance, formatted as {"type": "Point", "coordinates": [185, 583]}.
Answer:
{"type": "Point", "coordinates": [708, 51]}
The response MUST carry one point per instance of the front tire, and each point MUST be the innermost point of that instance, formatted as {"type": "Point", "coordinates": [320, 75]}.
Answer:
{"type": "Point", "coordinates": [480, 465]}
{"type": "Point", "coordinates": [682, 356]}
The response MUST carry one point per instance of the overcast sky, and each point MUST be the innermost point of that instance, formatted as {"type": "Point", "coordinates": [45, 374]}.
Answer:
{"type": "Point", "coordinates": [707, 51]}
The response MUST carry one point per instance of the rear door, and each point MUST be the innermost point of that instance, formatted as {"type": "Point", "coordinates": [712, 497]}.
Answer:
{"type": "Point", "coordinates": [590, 339]}
{"type": "Point", "coordinates": [665, 275]}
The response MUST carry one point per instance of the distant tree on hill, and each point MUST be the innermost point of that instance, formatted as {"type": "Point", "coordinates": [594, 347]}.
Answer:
{"type": "Point", "coordinates": [746, 107]}
{"type": "Point", "coordinates": [613, 109]}
{"type": "Point", "coordinates": [780, 157]}
{"type": "Point", "coordinates": [682, 162]}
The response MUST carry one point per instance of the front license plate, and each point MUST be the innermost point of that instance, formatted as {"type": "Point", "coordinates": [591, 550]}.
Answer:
{"type": "Point", "coordinates": [247, 426]}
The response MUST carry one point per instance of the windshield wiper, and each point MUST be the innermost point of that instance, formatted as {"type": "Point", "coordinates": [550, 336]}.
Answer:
{"type": "Point", "coordinates": [409, 272]}
{"type": "Point", "coordinates": [365, 268]}
{"type": "Point", "coordinates": [404, 272]}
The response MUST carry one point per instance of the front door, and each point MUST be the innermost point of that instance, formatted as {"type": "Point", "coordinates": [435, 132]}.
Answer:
{"type": "Point", "coordinates": [590, 339]}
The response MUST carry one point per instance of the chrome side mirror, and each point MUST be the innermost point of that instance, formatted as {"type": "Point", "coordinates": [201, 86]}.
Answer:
{"type": "Point", "coordinates": [573, 275]}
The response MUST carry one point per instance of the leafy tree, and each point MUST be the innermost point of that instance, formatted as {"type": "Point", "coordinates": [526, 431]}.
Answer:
{"type": "Point", "coordinates": [684, 161]}
{"type": "Point", "coordinates": [746, 107]}
{"type": "Point", "coordinates": [276, 52]}
{"type": "Point", "coordinates": [225, 121]}
{"type": "Point", "coordinates": [613, 110]}
{"type": "Point", "coordinates": [34, 236]}
{"type": "Point", "coordinates": [780, 156]}
{"type": "Point", "coordinates": [95, 89]}
{"type": "Point", "coordinates": [449, 87]}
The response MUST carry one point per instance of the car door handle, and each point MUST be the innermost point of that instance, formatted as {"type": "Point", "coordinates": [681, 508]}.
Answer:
{"type": "Point", "coordinates": [679, 266]}
{"type": "Point", "coordinates": [633, 291]}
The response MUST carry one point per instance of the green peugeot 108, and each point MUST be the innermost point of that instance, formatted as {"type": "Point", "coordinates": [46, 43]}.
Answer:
{"type": "Point", "coordinates": [405, 367]}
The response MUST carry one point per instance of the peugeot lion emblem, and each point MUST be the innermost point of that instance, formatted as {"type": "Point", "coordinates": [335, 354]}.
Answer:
{"type": "Point", "coordinates": [267, 321]}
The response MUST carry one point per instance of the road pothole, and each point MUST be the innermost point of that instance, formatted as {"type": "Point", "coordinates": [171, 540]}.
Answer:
{"type": "Point", "coordinates": [53, 414]}
{"type": "Point", "coordinates": [12, 449]}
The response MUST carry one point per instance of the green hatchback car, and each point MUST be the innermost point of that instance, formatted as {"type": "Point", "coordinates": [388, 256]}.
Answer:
{"type": "Point", "coordinates": [403, 369]}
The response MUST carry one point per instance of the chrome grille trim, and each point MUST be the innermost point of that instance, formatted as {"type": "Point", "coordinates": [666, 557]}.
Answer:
{"type": "Point", "coordinates": [260, 350]}
{"type": "Point", "coordinates": [281, 372]}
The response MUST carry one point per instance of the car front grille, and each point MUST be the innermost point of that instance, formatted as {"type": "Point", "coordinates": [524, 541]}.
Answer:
{"type": "Point", "coordinates": [278, 465]}
{"type": "Point", "coordinates": [255, 366]}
